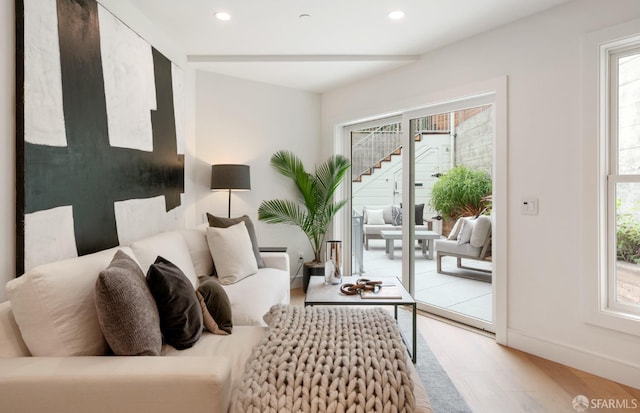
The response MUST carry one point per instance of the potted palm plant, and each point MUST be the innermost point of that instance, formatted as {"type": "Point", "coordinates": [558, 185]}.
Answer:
{"type": "Point", "coordinates": [315, 207]}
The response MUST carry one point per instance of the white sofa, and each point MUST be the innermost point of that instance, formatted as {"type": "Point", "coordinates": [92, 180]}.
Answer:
{"type": "Point", "coordinates": [52, 349]}
{"type": "Point", "coordinates": [372, 230]}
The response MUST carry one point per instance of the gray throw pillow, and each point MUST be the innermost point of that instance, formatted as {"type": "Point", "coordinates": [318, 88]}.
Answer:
{"type": "Point", "coordinates": [217, 303]}
{"type": "Point", "coordinates": [126, 309]}
{"type": "Point", "coordinates": [221, 222]}
{"type": "Point", "coordinates": [178, 306]}
{"type": "Point", "coordinates": [396, 213]}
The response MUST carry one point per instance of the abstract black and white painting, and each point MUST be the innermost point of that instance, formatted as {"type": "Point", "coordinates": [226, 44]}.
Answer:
{"type": "Point", "coordinates": [100, 136]}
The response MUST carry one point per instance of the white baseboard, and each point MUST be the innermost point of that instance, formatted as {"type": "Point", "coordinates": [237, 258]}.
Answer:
{"type": "Point", "coordinates": [594, 363]}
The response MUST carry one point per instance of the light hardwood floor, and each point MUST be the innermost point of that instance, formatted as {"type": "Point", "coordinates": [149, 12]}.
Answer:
{"type": "Point", "coordinates": [495, 379]}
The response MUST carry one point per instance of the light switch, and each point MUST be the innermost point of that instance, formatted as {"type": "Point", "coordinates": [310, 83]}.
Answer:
{"type": "Point", "coordinates": [529, 206]}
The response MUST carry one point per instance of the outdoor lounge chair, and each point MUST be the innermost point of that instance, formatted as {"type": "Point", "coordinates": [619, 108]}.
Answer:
{"type": "Point", "coordinates": [470, 239]}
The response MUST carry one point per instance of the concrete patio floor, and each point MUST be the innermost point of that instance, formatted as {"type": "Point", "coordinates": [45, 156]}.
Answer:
{"type": "Point", "coordinates": [466, 296]}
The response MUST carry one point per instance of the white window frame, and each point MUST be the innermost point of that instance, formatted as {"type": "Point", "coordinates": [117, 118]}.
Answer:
{"type": "Point", "coordinates": [597, 217]}
{"type": "Point", "coordinates": [614, 177]}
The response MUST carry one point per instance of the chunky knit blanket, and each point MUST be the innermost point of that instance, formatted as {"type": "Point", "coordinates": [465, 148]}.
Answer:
{"type": "Point", "coordinates": [327, 359]}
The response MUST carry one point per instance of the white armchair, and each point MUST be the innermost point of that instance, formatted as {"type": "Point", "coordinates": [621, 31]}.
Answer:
{"type": "Point", "coordinates": [469, 239]}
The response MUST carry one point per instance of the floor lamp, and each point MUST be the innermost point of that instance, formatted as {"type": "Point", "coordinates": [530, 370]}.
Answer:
{"type": "Point", "coordinates": [230, 177]}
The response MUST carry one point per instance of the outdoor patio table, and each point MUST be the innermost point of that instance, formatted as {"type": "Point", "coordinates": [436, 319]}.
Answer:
{"type": "Point", "coordinates": [427, 237]}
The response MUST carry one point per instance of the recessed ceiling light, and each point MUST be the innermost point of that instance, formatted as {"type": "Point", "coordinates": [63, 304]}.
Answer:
{"type": "Point", "coordinates": [396, 15]}
{"type": "Point", "coordinates": [221, 15]}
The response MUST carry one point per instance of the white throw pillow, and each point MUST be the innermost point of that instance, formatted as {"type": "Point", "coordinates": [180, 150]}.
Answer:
{"type": "Point", "coordinates": [481, 230]}
{"type": "Point", "coordinates": [170, 246]}
{"type": "Point", "coordinates": [453, 235]}
{"type": "Point", "coordinates": [375, 217]}
{"type": "Point", "coordinates": [53, 305]}
{"type": "Point", "coordinates": [232, 253]}
{"type": "Point", "coordinates": [465, 232]}
{"type": "Point", "coordinates": [196, 239]}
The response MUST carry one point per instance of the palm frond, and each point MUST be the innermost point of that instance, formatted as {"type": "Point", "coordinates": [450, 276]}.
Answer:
{"type": "Point", "coordinates": [329, 175]}
{"type": "Point", "coordinates": [289, 165]}
{"type": "Point", "coordinates": [278, 211]}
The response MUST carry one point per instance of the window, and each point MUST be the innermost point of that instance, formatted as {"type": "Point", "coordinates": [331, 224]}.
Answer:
{"type": "Point", "coordinates": [610, 190]}
{"type": "Point", "coordinates": [623, 180]}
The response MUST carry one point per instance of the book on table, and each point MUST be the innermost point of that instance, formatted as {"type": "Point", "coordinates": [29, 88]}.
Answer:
{"type": "Point", "coordinates": [384, 292]}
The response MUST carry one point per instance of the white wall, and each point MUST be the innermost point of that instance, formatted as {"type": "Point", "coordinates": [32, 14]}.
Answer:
{"type": "Point", "coordinates": [7, 145]}
{"type": "Point", "coordinates": [541, 56]}
{"type": "Point", "coordinates": [245, 122]}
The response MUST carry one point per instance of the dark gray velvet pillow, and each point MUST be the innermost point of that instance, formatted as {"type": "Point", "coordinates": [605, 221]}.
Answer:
{"type": "Point", "coordinates": [126, 309]}
{"type": "Point", "coordinates": [180, 313]}
{"type": "Point", "coordinates": [220, 222]}
{"type": "Point", "coordinates": [419, 218]}
{"type": "Point", "coordinates": [217, 302]}
{"type": "Point", "coordinates": [419, 214]}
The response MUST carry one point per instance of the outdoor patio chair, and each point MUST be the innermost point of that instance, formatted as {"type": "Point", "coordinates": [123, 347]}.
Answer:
{"type": "Point", "coordinates": [470, 239]}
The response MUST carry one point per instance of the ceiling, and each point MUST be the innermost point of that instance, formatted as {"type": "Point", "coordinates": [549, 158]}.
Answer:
{"type": "Point", "coordinates": [340, 41]}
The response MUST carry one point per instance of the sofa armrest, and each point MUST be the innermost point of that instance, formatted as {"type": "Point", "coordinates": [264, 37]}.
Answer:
{"type": "Point", "coordinates": [278, 260]}
{"type": "Point", "coordinates": [11, 342]}
{"type": "Point", "coordinates": [115, 384]}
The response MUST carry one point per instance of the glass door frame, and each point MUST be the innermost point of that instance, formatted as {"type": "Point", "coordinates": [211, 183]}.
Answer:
{"type": "Point", "coordinates": [408, 262]}
{"type": "Point", "coordinates": [342, 222]}
{"type": "Point", "coordinates": [497, 87]}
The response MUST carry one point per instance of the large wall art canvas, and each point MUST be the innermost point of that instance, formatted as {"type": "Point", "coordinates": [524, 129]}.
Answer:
{"type": "Point", "coordinates": [100, 140]}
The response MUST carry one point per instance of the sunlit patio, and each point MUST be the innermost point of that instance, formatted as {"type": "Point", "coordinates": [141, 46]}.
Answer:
{"type": "Point", "coordinates": [466, 296]}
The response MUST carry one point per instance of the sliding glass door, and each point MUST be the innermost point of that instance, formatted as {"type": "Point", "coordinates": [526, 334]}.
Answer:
{"type": "Point", "coordinates": [376, 182]}
{"type": "Point", "coordinates": [395, 228]}
{"type": "Point", "coordinates": [450, 164]}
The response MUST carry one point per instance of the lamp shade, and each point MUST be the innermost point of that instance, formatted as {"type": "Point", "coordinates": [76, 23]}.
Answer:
{"type": "Point", "coordinates": [230, 176]}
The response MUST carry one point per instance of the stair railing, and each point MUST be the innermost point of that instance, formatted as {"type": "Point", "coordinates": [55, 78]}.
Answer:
{"type": "Point", "coordinates": [379, 144]}
{"type": "Point", "coordinates": [383, 141]}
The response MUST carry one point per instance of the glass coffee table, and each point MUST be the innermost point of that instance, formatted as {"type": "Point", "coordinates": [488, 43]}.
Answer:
{"type": "Point", "coordinates": [318, 293]}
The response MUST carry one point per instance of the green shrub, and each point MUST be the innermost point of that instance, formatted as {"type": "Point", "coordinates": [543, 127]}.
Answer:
{"type": "Point", "coordinates": [460, 191]}
{"type": "Point", "coordinates": [628, 239]}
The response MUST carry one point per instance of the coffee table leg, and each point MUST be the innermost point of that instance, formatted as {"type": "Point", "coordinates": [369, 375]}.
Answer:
{"type": "Point", "coordinates": [414, 349]}
{"type": "Point", "coordinates": [414, 338]}
{"type": "Point", "coordinates": [390, 248]}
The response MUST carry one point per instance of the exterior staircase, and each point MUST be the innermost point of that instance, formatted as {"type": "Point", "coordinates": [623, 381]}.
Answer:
{"type": "Point", "coordinates": [377, 146]}
{"type": "Point", "coordinates": [381, 144]}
